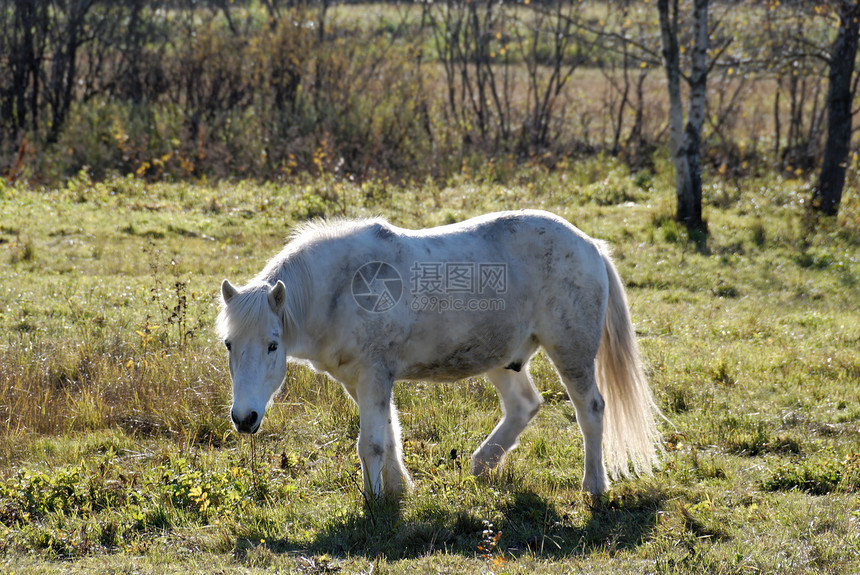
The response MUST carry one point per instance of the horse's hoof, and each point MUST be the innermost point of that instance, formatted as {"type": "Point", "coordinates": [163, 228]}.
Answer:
{"type": "Point", "coordinates": [595, 486]}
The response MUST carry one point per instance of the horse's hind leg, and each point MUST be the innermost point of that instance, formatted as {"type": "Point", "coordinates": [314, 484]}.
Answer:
{"type": "Point", "coordinates": [578, 377]}
{"type": "Point", "coordinates": [520, 403]}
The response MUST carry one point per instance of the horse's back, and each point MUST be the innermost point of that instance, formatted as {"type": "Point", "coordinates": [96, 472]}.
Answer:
{"type": "Point", "coordinates": [539, 252]}
{"type": "Point", "coordinates": [530, 242]}
{"type": "Point", "coordinates": [500, 232]}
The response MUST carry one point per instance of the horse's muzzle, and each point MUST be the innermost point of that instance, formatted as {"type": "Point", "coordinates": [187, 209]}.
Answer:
{"type": "Point", "coordinates": [248, 425]}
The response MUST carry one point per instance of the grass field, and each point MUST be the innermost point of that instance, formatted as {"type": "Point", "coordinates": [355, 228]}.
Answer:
{"type": "Point", "coordinates": [117, 455]}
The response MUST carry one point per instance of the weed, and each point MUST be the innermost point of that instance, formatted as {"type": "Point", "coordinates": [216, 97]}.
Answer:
{"type": "Point", "coordinates": [813, 261]}
{"type": "Point", "coordinates": [679, 399]}
{"type": "Point", "coordinates": [487, 548]}
{"type": "Point", "coordinates": [721, 373]}
{"type": "Point", "coordinates": [759, 232]}
{"type": "Point", "coordinates": [816, 476]}
{"type": "Point", "coordinates": [671, 232]}
{"type": "Point", "coordinates": [171, 301]}
{"type": "Point", "coordinates": [707, 467]}
{"type": "Point", "coordinates": [752, 437]}
{"type": "Point", "coordinates": [23, 252]}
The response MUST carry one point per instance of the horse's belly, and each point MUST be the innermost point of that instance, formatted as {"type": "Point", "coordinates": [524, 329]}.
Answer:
{"type": "Point", "coordinates": [449, 368]}
{"type": "Point", "coordinates": [454, 354]}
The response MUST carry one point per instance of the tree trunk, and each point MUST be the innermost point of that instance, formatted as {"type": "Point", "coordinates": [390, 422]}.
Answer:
{"type": "Point", "coordinates": [25, 61]}
{"type": "Point", "coordinates": [685, 140]}
{"type": "Point", "coordinates": [828, 192]}
{"type": "Point", "coordinates": [672, 65]}
{"type": "Point", "coordinates": [65, 71]}
{"type": "Point", "coordinates": [690, 210]}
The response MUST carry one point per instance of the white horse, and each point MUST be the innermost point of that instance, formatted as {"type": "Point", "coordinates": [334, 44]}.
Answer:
{"type": "Point", "coordinates": [369, 303]}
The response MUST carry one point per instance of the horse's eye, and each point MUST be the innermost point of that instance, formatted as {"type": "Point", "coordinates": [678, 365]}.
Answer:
{"type": "Point", "coordinates": [227, 345]}
{"type": "Point", "coordinates": [272, 347]}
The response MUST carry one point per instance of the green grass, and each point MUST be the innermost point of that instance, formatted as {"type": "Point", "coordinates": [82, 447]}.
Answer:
{"type": "Point", "coordinates": [116, 452]}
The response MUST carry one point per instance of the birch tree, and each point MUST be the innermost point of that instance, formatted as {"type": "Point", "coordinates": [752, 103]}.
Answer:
{"type": "Point", "coordinates": [685, 140]}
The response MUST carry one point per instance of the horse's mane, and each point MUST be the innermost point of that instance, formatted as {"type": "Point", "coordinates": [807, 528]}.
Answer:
{"type": "Point", "coordinates": [291, 266]}
{"type": "Point", "coordinates": [321, 229]}
{"type": "Point", "coordinates": [248, 306]}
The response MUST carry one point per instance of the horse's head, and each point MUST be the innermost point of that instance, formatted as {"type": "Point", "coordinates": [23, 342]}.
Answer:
{"type": "Point", "coordinates": [252, 329]}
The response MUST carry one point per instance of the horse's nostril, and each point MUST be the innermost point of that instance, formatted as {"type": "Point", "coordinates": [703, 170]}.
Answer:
{"type": "Point", "coordinates": [245, 425]}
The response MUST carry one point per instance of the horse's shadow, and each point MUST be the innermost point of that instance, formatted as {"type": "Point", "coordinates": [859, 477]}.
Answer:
{"type": "Point", "coordinates": [529, 524]}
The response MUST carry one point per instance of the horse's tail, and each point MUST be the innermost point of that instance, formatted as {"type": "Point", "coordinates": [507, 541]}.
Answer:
{"type": "Point", "coordinates": [629, 430]}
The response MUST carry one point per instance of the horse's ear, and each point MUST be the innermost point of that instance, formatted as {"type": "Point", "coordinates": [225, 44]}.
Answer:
{"type": "Point", "coordinates": [228, 292]}
{"type": "Point", "coordinates": [277, 296]}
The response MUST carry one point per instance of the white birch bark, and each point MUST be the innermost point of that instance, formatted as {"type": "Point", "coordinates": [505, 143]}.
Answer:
{"type": "Point", "coordinates": [684, 142]}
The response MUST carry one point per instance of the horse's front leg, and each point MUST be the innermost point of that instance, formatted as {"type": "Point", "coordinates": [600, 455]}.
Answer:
{"type": "Point", "coordinates": [379, 446]}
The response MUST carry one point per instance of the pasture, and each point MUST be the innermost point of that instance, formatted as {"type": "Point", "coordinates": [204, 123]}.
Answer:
{"type": "Point", "coordinates": [117, 453]}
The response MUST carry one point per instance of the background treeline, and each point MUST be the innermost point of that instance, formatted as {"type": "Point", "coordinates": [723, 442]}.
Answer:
{"type": "Point", "coordinates": [268, 89]}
